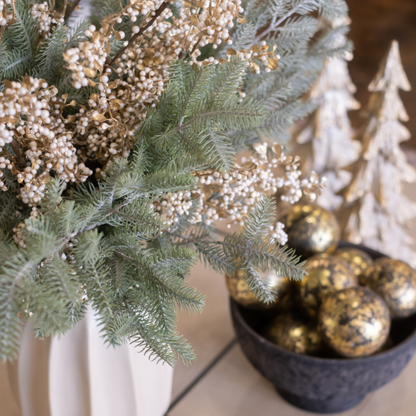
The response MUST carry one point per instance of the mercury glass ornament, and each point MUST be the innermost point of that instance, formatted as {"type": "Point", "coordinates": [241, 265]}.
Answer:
{"type": "Point", "coordinates": [355, 322]}
{"type": "Point", "coordinates": [395, 282]}
{"type": "Point", "coordinates": [359, 260]}
{"type": "Point", "coordinates": [294, 333]}
{"type": "Point", "coordinates": [242, 294]}
{"type": "Point", "coordinates": [326, 274]}
{"type": "Point", "coordinates": [311, 229]}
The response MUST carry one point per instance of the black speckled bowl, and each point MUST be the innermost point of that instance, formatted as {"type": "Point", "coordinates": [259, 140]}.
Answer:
{"type": "Point", "coordinates": [324, 385]}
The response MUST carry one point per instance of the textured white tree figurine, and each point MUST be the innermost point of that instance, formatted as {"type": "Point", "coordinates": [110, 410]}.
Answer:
{"type": "Point", "coordinates": [375, 211]}
{"type": "Point", "coordinates": [325, 142]}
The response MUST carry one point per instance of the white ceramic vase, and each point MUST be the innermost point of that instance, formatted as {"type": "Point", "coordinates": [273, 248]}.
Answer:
{"type": "Point", "coordinates": [77, 375]}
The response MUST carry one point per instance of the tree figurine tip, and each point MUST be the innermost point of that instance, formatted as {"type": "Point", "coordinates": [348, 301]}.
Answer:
{"type": "Point", "coordinates": [391, 74]}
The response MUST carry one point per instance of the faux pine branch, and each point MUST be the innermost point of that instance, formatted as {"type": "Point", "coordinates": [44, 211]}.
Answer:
{"type": "Point", "coordinates": [119, 143]}
{"type": "Point", "coordinates": [304, 43]}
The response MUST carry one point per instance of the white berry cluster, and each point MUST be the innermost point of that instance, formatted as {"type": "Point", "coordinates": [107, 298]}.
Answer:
{"type": "Point", "coordinates": [104, 128]}
{"type": "Point", "coordinates": [7, 14]}
{"type": "Point", "coordinates": [131, 11]}
{"type": "Point", "coordinates": [41, 135]}
{"type": "Point", "coordinates": [146, 64]}
{"type": "Point", "coordinates": [209, 23]}
{"type": "Point", "coordinates": [278, 233]}
{"type": "Point", "coordinates": [6, 137]}
{"type": "Point", "coordinates": [138, 76]}
{"type": "Point", "coordinates": [18, 236]}
{"type": "Point", "coordinates": [297, 187]}
{"type": "Point", "coordinates": [231, 195]}
{"type": "Point", "coordinates": [88, 58]}
{"type": "Point", "coordinates": [257, 56]}
{"type": "Point", "coordinates": [4, 163]}
{"type": "Point", "coordinates": [174, 206]}
{"type": "Point", "coordinates": [46, 18]}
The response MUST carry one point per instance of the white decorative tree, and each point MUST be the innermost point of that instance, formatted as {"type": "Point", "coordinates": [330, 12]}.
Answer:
{"type": "Point", "coordinates": [375, 211]}
{"type": "Point", "coordinates": [325, 142]}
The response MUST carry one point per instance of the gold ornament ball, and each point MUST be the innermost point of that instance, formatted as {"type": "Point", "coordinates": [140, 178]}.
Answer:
{"type": "Point", "coordinates": [355, 322]}
{"type": "Point", "coordinates": [241, 293]}
{"type": "Point", "coordinates": [326, 274]}
{"type": "Point", "coordinates": [311, 229]}
{"type": "Point", "coordinates": [395, 282]}
{"type": "Point", "coordinates": [294, 333]}
{"type": "Point", "coordinates": [359, 260]}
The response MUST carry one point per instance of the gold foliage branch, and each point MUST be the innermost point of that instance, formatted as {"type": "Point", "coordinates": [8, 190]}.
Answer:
{"type": "Point", "coordinates": [230, 196]}
{"type": "Point", "coordinates": [47, 142]}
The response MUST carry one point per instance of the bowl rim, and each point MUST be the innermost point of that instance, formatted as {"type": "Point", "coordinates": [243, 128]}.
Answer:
{"type": "Point", "coordinates": [370, 358]}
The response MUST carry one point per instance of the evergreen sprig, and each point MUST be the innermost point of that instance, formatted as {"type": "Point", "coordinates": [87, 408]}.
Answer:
{"type": "Point", "coordinates": [105, 245]}
{"type": "Point", "coordinates": [102, 244]}
{"type": "Point", "coordinates": [303, 47]}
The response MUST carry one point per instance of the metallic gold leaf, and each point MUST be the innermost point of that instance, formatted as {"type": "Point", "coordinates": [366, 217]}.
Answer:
{"type": "Point", "coordinates": [254, 48]}
{"type": "Point", "coordinates": [7, 83]}
{"type": "Point", "coordinates": [97, 66]}
{"type": "Point", "coordinates": [278, 149]}
{"type": "Point", "coordinates": [96, 36]}
{"type": "Point", "coordinates": [251, 166]}
{"type": "Point", "coordinates": [115, 104]}
{"type": "Point", "coordinates": [99, 117]}
{"type": "Point", "coordinates": [26, 82]}
{"type": "Point", "coordinates": [272, 63]}
{"type": "Point", "coordinates": [254, 68]}
{"type": "Point", "coordinates": [231, 52]}
{"type": "Point", "coordinates": [113, 84]}
{"type": "Point", "coordinates": [91, 73]}
{"type": "Point", "coordinates": [260, 148]}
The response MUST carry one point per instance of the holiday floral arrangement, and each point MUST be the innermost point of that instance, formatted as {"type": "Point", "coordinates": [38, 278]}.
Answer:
{"type": "Point", "coordinates": [119, 143]}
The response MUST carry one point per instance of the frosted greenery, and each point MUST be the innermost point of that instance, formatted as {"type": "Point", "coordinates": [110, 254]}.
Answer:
{"type": "Point", "coordinates": [102, 243]}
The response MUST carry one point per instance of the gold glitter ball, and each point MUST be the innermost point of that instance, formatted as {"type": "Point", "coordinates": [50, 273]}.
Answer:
{"type": "Point", "coordinates": [355, 322]}
{"type": "Point", "coordinates": [395, 282]}
{"type": "Point", "coordinates": [311, 229]}
{"type": "Point", "coordinates": [241, 293]}
{"type": "Point", "coordinates": [359, 260]}
{"type": "Point", "coordinates": [294, 333]}
{"type": "Point", "coordinates": [326, 274]}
